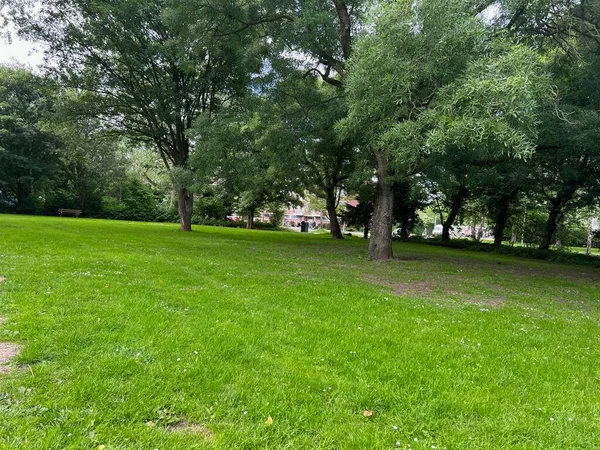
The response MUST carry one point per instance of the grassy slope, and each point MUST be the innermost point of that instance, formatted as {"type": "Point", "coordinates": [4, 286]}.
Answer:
{"type": "Point", "coordinates": [125, 324]}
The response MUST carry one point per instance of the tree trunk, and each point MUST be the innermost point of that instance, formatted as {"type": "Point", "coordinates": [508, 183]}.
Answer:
{"type": "Point", "coordinates": [551, 225]}
{"type": "Point", "coordinates": [501, 220]}
{"type": "Point", "coordinates": [590, 237]}
{"type": "Point", "coordinates": [380, 245]}
{"type": "Point", "coordinates": [366, 232]}
{"type": "Point", "coordinates": [336, 231]}
{"type": "Point", "coordinates": [457, 202]}
{"type": "Point", "coordinates": [404, 229]}
{"type": "Point", "coordinates": [556, 207]}
{"type": "Point", "coordinates": [250, 222]}
{"type": "Point", "coordinates": [172, 198]}
{"type": "Point", "coordinates": [186, 208]}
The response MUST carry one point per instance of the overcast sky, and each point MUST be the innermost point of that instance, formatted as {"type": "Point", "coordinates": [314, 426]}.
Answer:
{"type": "Point", "coordinates": [20, 52]}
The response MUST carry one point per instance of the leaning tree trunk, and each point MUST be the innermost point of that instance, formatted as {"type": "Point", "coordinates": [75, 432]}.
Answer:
{"type": "Point", "coordinates": [457, 202]}
{"type": "Point", "coordinates": [380, 245]}
{"type": "Point", "coordinates": [336, 231]}
{"type": "Point", "coordinates": [556, 208]}
{"type": "Point", "coordinates": [186, 207]}
{"type": "Point", "coordinates": [250, 222]}
{"type": "Point", "coordinates": [551, 225]}
{"type": "Point", "coordinates": [501, 220]}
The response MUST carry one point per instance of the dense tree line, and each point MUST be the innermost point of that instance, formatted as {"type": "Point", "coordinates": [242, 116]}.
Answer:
{"type": "Point", "coordinates": [483, 112]}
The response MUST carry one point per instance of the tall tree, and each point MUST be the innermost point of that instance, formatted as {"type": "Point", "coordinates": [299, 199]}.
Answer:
{"type": "Point", "coordinates": [306, 110]}
{"type": "Point", "coordinates": [242, 156]}
{"type": "Point", "coordinates": [430, 76]}
{"type": "Point", "coordinates": [567, 164]}
{"type": "Point", "coordinates": [150, 67]}
{"type": "Point", "coordinates": [28, 153]}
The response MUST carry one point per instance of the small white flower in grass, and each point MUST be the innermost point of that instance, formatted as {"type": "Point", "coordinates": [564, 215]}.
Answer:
{"type": "Point", "coordinates": [395, 427]}
{"type": "Point", "coordinates": [416, 440]}
{"type": "Point", "coordinates": [195, 352]}
{"type": "Point", "coordinates": [178, 359]}
{"type": "Point", "coordinates": [570, 419]}
{"type": "Point", "coordinates": [185, 370]}
{"type": "Point", "coordinates": [551, 419]}
{"type": "Point", "coordinates": [397, 444]}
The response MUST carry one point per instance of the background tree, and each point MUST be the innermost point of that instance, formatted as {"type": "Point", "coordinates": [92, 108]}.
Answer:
{"type": "Point", "coordinates": [150, 68]}
{"type": "Point", "coordinates": [28, 152]}
{"type": "Point", "coordinates": [430, 77]}
{"type": "Point", "coordinates": [307, 110]}
{"type": "Point", "coordinates": [241, 156]}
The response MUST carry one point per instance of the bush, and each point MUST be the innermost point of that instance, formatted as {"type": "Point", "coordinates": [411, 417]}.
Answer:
{"type": "Point", "coordinates": [137, 203]}
{"type": "Point", "coordinates": [235, 224]}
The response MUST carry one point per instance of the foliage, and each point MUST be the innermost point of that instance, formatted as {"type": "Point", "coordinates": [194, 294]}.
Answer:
{"type": "Point", "coordinates": [28, 152]}
{"type": "Point", "coordinates": [238, 159]}
{"type": "Point", "coordinates": [137, 202]}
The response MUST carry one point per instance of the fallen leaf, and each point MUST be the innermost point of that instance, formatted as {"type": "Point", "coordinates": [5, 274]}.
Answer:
{"type": "Point", "coordinates": [150, 423]}
{"type": "Point", "coordinates": [269, 421]}
{"type": "Point", "coordinates": [367, 413]}
{"type": "Point", "coordinates": [101, 447]}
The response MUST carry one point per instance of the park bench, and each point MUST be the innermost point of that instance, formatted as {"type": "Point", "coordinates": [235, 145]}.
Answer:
{"type": "Point", "coordinates": [69, 212]}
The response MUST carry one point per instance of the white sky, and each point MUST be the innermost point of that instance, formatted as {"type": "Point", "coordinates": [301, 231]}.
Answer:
{"type": "Point", "coordinates": [17, 51]}
{"type": "Point", "coordinates": [20, 53]}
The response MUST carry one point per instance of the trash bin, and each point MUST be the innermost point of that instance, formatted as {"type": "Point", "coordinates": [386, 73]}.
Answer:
{"type": "Point", "coordinates": [304, 227]}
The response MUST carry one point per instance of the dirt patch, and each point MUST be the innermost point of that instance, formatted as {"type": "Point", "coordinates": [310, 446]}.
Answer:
{"type": "Point", "coordinates": [2, 320]}
{"type": "Point", "coordinates": [8, 350]}
{"type": "Point", "coordinates": [415, 287]}
{"type": "Point", "coordinates": [425, 288]}
{"type": "Point", "coordinates": [190, 428]}
{"type": "Point", "coordinates": [2, 279]}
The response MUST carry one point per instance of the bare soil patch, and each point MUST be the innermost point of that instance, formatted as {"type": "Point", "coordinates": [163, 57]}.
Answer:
{"type": "Point", "coordinates": [8, 350]}
{"type": "Point", "coordinates": [190, 428]}
{"type": "Point", "coordinates": [2, 279]}
{"type": "Point", "coordinates": [415, 287]}
{"type": "Point", "coordinates": [424, 289]}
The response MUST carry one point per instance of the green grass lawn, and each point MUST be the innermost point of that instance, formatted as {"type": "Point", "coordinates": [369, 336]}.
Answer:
{"type": "Point", "coordinates": [138, 336]}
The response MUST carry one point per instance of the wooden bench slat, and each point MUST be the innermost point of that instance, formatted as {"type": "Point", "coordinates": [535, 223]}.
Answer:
{"type": "Point", "coordinates": [75, 212]}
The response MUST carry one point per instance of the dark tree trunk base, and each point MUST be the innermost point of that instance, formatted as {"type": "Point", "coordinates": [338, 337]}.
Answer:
{"type": "Point", "coordinates": [457, 202]}
{"type": "Point", "coordinates": [250, 222]}
{"type": "Point", "coordinates": [334, 223]}
{"type": "Point", "coordinates": [380, 245]}
{"type": "Point", "coordinates": [186, 208]}
{"type": "Point", "coordinates": [501, 220]}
